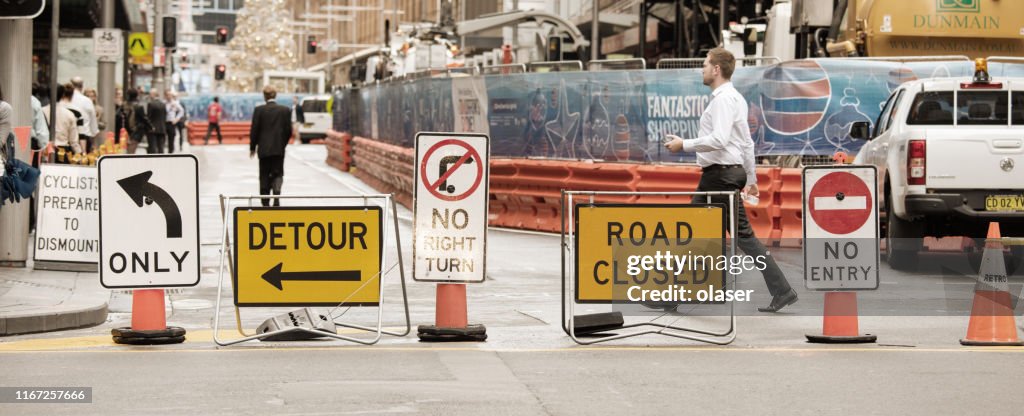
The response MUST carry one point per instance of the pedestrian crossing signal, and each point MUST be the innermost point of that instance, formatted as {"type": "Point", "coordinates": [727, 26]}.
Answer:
{"type": "Point", "coordinates": [311, 45]}
{"type": "Point", "coordinates": [219, 71]}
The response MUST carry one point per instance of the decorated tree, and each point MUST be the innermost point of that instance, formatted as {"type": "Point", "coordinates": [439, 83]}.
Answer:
{"type": "Point", "coordinates": [260, 43]}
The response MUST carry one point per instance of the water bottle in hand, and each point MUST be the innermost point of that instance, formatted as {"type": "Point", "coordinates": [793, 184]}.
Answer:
{"type": "Point", "coordinates": [750, 199]}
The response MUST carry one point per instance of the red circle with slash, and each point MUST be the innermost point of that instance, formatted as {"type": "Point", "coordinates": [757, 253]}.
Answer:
{"type": "Point", "coordinates": [470, 153]}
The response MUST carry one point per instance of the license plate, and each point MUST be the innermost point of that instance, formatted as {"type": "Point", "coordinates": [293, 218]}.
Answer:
{"type": "Point", "coordinates": [1004, 203]}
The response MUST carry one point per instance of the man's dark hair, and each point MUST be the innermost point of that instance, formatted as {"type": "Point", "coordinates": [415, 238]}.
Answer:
{"type": "Point", "coordinates": [133, 94]}
{"type": "Point", "coordinates": [216, 99]}
{"type": "Point", "coordinates": [69, 91]}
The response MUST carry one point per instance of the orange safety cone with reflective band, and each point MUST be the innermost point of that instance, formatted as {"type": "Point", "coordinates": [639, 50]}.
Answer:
{"type": "Point", "coordinates": [149, 321]}
{"type": "Point", "coordinates": [451, 321]}
{"type": "Point", "coordinates": [992, 321]}
{"type": "Point", "coordinates": [840, 321]}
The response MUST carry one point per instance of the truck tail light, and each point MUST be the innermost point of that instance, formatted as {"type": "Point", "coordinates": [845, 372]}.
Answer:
{"type": "Point", "coordinates": [916, 162]}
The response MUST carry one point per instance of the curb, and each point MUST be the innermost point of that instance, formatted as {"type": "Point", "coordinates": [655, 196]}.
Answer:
{"type": "Point", "coordinates": [54, 321]}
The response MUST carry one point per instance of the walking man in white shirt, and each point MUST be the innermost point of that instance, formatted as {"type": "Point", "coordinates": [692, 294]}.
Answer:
{"type": "Point", "coordinates": [725, 153]}
{"type": "Point", "coordinates": [89, 128]}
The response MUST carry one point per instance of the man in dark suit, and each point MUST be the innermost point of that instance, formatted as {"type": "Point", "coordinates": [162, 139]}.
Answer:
{"type": "Point", "coordinates": [156, 112]}
{"type": "Point", "coordinates": [271, 129]}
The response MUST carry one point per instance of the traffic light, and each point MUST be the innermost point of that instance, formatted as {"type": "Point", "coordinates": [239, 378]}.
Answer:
{"type": "Point", "coordinates": [170, 31]}
{"type": "Point", "coordinates": [311, 45]}
{"type": "Point", "coordinates": [23, 9]}
{"type": "Point", "coordinates": [219, 71]}
{"type": "Point", "coordinates": [222, 35]}
{"type": "Point", "coordinates": [555, 48]}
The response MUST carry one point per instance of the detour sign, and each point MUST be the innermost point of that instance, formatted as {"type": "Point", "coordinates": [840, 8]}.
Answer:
{"type": "Point", "coordinates": [307, 256]}
{"type": "Point", "coordinates": [608, 235]}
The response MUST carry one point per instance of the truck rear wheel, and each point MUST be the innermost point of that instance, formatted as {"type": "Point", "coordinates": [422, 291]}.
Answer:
{"type": "Point", "coordinates": [903, 240]}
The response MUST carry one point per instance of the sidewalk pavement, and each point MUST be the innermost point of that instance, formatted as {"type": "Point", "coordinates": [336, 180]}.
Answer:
{"type": "Point", "coordinates": [43, 300]}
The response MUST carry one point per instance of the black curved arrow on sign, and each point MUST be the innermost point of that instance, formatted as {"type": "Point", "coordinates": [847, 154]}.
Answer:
{"type": "Point", "coordinates": [139, 188]}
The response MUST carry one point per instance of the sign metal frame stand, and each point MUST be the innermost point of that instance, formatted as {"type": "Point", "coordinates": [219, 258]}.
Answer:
{"type": "Point", "coordinates": [725, 337]}
{"type": "Point", "coordinates": [390, 209]}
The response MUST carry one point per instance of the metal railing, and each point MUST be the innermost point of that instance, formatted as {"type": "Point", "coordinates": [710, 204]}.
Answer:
{"type": "Point", "coordinates": [690, 63]}
{"type": "Point", "coordinates": [555, 66]}
{"type": "Point", "coordinates": [903, 58]}
{"type": "Point", "coordinates": [463, 70]}
{"type": "Point", "coordinates": [503, 69]}
{"type": "Point", "coordinates": [617, 64]}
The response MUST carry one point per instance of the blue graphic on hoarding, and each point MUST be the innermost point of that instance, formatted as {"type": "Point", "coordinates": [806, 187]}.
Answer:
{"type": "Point", "coordinates": [237, 107]}
{"type": "Point", "coordinates": [797, 107]}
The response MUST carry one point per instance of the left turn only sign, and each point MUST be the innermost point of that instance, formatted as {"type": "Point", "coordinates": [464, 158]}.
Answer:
{"type": "Point", "coordinates": [149, 221]}
{"type": "Point", "coordinates": [307, 256]}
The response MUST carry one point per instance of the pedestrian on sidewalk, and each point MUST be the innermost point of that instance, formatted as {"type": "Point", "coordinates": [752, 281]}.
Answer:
{"type": "Point", "coordinates": [725, 153]}
{"type": "Point", "coordinates": [156, 111]}
{"type": "Point", "coordinates": [89, 127]}
{"type": "Point", "coordinates": [136, 122]}
{"type": "Point", "coordinates": [174, 114]}
{"type": "Point", "coordinates": [271, 129]}
{"type": "Point", "coordinates": [6, 113]}
{"type": "Point", "coordinates": [65, 130]}
{"type": "Point", "coordinates": [213, 114]}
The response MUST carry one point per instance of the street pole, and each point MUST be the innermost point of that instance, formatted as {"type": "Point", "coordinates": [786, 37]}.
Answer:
{"type": "Point", "coordinates": [158, 42]}
{"type": "Point", "coordinates": [54, 33]}
{"type": "Point", "coordinates": [16, 79]}
{"type": "Point", "coordinates": [595, 32]}
{"type": "Point", "coordinates": [105, 86]}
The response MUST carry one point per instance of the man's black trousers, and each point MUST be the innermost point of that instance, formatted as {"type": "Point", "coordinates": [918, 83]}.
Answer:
{"type": "Point", "coordinates": [271, 178]}
{"type": "Point", "coordinates": [731, 179]}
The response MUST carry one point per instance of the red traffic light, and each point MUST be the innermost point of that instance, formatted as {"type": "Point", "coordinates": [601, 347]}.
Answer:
{"type": "Point", "coordinates": [222, 34]}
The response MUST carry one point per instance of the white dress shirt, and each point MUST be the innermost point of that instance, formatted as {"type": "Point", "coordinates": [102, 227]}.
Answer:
{"type": "Point", "coordinates": [66, 128]}
{"type": "Point", "coordinates": [89, 127]}
{"type": "Point", "coordinates": [724, 136]}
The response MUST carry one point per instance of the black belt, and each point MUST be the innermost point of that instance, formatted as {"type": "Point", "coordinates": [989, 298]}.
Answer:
{"type": "Point", "coordinates": [717, 167]}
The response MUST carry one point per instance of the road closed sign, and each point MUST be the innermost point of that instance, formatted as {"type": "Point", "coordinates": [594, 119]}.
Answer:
{"type": "Point", "coordinates": [625, 249]}
{"type": "Point", "coordinates": [307, 256]}
{"type": "Point", "coordinates": [450, 207]}
{"type": "Point", "coordinates": [840, 215]}
{"type": "Point", "coordinates": [149, 221]}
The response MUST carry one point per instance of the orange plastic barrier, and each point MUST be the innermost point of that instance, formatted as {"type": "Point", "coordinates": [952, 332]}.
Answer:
{"type": "Point", "coordinates": [666, 178]}
{"type": "Point", "coordinates": [336, 150]}
{"type": "Point", "coordinates": [791, 207]}
{"type": "Point", "coordinates": [764, 217]}
{"type": "Point", "coordinates": [609, 177]}
{"type": "Point", "coordinates": [540, 192]}
{"type": "Point", "coordinates": [504, 209]}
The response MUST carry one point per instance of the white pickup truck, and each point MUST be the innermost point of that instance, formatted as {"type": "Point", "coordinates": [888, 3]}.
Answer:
{"type": "Point", "coordinates": [950, 159]}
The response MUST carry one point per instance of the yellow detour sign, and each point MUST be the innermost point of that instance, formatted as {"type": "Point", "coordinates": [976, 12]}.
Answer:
{"type": "Point", "coordinates": [623, 251]}
{"type": "Point", "coordinates": [140, 47]}
{"type": "Point", "coordinates": [307, 256]}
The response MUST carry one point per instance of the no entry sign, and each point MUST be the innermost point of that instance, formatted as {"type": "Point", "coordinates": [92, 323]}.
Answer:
{"type": "Point", "coordinates": [450, 207]}
{"type": "Point", "coordinates": [840, 216]}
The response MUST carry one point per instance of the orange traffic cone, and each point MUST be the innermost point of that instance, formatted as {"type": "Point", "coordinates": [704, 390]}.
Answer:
{"type": "Point", "coordinates": [992, 321]}
{"type": "Point", "coordinates": [149, 321]}
{"type": "Point", "coordinates": [451, 319]}
{"type": "Point", "coordinates": [840, 322]}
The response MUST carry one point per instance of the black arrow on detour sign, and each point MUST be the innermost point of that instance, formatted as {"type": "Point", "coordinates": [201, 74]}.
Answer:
{"type": "Point", "coordinates": [140, 190]}
{"type": "Point", "coordinates": [275, 276]}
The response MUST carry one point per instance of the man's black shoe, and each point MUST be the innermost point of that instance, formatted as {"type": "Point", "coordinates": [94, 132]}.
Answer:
{"type": "Point", "coordinates": [779, 302]}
